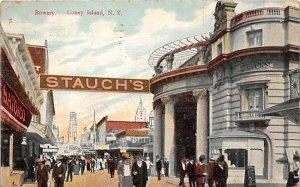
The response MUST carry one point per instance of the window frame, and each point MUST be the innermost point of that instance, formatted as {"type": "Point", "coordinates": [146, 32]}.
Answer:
{"type": "Point", "coordinates": [244, 101]}
{"type": "Point", "coordinates": [255, 33]}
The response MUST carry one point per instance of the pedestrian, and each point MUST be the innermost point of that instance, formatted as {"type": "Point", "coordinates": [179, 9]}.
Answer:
{"type": "Point", "coordinates": [101, 163]}
{"type": "Point", "coordinates": [139, 172]}
{"type": "Point", "coordinates": [53, 161]}
{"type": "Point", "coordinates": [182, 171]}
{"type": "Point", "coordinates": [211, 167]}
{"type": "Point", "coordinates": [42, 173]}
{"type": "Point", "coordinates": [48, 164]}
{"type": "Point", "coordinates": [111, 167]}
{"type": "Point", "coordinates": [166, 167]}
{"type": "Point", "coordinates": [82, 165]}
{"type": "Point", "coordinates": [200, 172]}
{"type": "Point", "coordinates": [30, 169]}
{"type": "Point", "coordinates": [149, 165]}
{"type": "Point", "coordinates": [158, 167]}
{"type": "Point", "coordinates": [77, 166]}
{"type": "Point", "coordinates": [93, 163]}
{"type": "Point", "coordinates": [190, 169]}
{"type": "Point", "coordinates": [221, 172]}
{"type": "Point", "coordinates": [58, 173]}
{"type": "Point", "coordinates": [293, 177]}
{"type": "Point", "coordinates": [71, 165]}
{"type": "Point", "coordinates": [88, 164]}
{"type": "Point", "coordinates": [124, 171]}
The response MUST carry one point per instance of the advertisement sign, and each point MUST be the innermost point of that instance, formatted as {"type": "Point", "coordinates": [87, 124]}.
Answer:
{"type": "Point", "coordinates": [57, 82]}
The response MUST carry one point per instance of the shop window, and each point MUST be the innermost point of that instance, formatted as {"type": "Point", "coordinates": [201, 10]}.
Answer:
{"type": "Point", "coordinates": [237, 157]}
{"type": "Point", "coordinates": [254, 38]}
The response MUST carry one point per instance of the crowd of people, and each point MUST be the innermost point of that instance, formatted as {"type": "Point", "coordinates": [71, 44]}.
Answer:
{"type": "Point", "coordinates": [134, 170]}
{"type": "Point", "coordinates": [216, 174]}
{"type": "Point", "coordinates": [39, 169]}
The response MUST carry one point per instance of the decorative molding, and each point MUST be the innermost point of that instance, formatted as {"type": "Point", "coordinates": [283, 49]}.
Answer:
{"type": "Point", "coordinates": [200, 93]}
{"type": "Point", "coordinates": [165, 99]}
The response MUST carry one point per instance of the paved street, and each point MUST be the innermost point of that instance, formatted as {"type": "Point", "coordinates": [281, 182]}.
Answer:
{"type": "Point", "coordinates": [102, 179]}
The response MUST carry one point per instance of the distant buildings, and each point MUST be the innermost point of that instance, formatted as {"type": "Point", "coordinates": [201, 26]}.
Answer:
{"type": "Point", "coordinates": [72, 136]}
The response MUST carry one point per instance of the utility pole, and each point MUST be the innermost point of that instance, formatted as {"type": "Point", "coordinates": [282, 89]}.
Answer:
{"type": "Point", "coordinates": [94, 124]}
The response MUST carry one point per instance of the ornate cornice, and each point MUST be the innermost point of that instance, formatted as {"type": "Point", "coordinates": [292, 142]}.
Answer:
{"type": "Point", "coordinates": [220, 60]}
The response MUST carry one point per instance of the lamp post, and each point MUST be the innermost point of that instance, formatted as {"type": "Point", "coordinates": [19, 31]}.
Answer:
{"type": "Point", "coordinates": [24, 143]}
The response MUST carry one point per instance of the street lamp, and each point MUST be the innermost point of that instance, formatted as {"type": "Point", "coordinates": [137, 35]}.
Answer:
{"type": "Point", "coordinates": [24, 143]}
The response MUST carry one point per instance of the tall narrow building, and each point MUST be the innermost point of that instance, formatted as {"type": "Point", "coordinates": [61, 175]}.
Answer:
{"type": "Point", "coordinates": [73, 129]}
{"type": "Point", "coordinates": [140, 115]}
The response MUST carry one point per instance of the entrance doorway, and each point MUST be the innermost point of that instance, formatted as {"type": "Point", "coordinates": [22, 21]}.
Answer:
{"type": "Point", "coordinates": [185, 127]}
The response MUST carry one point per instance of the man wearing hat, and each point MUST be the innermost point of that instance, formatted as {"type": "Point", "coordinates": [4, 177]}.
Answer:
{"type": "Point", "coordinates": [58, 173]}
{"type": "Point", "coordinates": [41, 173]}
{"type": "Point", "coordinates": [211, 167]}
{"type": "Point", "coordinates": [139, 172]}
{"type": "Point", "coordinates": [200, 172]}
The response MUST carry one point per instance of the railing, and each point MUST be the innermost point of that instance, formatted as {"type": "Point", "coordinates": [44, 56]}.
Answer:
{"type": "Point", "coordinates": [257, 14]}
{"type": "Point", "coordinates": [250, 116]}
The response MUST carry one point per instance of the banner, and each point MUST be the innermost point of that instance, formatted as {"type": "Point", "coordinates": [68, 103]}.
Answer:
{"type": "Point", "coordinates": [57, 82]}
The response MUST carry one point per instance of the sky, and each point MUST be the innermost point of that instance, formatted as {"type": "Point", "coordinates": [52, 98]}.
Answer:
{"type": "Point", "coordinates": [115, 46]}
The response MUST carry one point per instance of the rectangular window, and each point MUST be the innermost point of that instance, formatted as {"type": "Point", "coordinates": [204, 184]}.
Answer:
{"type": "Point", "coordinates": [254, 38]}
{"type": "Point", "coordinates": [237, 157]}
{"type": "Point", "coordinates": [255, 99]}
{"type": "Point", "coordinates": [219, 49]}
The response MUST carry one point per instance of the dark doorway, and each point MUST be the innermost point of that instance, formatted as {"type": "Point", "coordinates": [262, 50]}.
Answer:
{"type": "Point", "coordinates": [185, 126]}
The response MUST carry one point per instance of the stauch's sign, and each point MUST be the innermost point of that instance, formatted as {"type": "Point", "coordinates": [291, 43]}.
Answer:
{"type": "Point", "coordinates": [13, 105]}
{"type": "Point", "coordinates": [94, 84]}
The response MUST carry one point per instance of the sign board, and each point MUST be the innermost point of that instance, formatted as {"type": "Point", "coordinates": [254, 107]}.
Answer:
{"type": "Point", "coordinates": [123, 150]}
{"type": "Point", "coordinates": [249, 179]}
{"type": "Point", "coordinates": [58, 82]}
{"type": "Point", "coordinates": [101, 146]}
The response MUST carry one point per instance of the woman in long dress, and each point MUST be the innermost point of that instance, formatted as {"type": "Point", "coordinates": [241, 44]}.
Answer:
{"type": "Point", "coordinates": [124, 171]}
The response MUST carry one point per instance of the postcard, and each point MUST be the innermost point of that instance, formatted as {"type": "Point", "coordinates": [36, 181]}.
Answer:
{"type": "Point", "coordinates": [150, 93]}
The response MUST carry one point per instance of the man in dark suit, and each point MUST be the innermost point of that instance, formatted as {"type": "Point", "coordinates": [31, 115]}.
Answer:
{"type": "Point", "coordinates": [182, 171]}
{"type": "Point", "coordinates": [166, 166]}
{"type": "Point", "coordinates": [71, 165]}
{"type": "Point", "coordinates": [41, 173]}
{"type": "Point", "coordinates": [58, 173]}
{"type": "Point", "coordinates": [158, 166]}
{"type": "Point", "coordinates": [139, 172]}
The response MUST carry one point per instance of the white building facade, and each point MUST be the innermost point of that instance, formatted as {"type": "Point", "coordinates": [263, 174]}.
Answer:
{"type": "Point", "coordinates": [211, 103]}
{"type": "Point", "coordinates": [72, 137]}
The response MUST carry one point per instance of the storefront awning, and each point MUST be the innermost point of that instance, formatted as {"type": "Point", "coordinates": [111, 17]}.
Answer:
{"type": "Point", "coordinates": [41, 133]}
{"type": "Point", "coordinates": [289, 109]}
{"type": "Point", "coordinates": [11, 78]}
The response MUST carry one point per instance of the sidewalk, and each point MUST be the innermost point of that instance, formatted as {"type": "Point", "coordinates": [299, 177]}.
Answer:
{"type": "Point", "coordinates": [172, 181]}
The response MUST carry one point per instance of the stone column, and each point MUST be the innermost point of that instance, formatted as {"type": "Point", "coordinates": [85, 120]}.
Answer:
{"type": "Point", "coordinates": [202, 121]}
{"type": "Point", "coordinates": [201, 60]}
{"type": "Point", "coordinates": [169, 133]}
{"type": "Point", "coordinates": [157, 135]}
